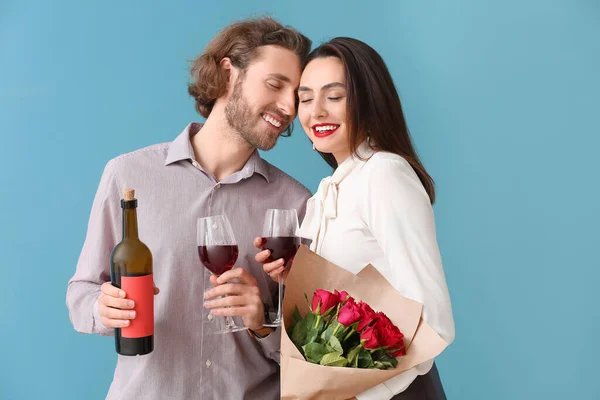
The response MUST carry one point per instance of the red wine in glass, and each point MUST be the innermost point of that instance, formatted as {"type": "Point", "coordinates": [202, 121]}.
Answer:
{"type": "Point", "coordinates": [218, 252]}
{"type": "Point", "coordinates": [218, 259]}
{"type": "Point", "coordinates": [281, 247]}
{"type": "Point", "coordinates": [279, 230]}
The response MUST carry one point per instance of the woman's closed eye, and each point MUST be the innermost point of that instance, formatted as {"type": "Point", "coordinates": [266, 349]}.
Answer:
{"type": "Point", "coordinates": [336, 98]}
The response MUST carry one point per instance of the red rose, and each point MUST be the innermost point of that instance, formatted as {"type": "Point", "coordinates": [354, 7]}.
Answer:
{"type": "Point", "coordinates": [325, 299]}
{"type": "Point", "coordinates": [368, 315]}
{"type": "Point", "coordinates": [398, 353]}
{"type": "Point", "coordinates": [349, 313]}
{"type": "Point", "coordinates": [391, 337]}
{"type": "Point", "coordinates": [371, 337]}
{"type": "Point", "coordinates": [343, 296]}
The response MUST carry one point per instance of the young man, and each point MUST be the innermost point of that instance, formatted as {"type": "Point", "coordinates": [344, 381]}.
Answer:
{"type": "Point", "coordinates": [245, 85]}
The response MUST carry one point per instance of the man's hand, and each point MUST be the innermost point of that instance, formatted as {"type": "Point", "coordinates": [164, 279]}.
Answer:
{"type": "Point", "coordinates": [243, 298]}
{"type": "Point", "coordinates": [114, 308]}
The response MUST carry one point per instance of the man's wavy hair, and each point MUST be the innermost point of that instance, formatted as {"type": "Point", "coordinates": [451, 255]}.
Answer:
{"type": "Point", "coordinates": [240, 42]}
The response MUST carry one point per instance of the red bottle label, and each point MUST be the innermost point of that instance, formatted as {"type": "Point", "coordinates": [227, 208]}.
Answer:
{"type": "Point", "coordinates": [141, 290]}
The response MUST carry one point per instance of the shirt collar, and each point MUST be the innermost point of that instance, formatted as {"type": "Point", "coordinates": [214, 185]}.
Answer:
{"type": "Point", "coordinates": [362, 154]}
{"type": "Point", "coordinates": [256, 164]}
{"type": "Point", "coordinates": [181, 149]}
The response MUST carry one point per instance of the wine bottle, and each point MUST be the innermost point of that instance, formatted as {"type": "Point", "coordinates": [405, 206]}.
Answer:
{"type": "Point", "coordinates": [131, 270]}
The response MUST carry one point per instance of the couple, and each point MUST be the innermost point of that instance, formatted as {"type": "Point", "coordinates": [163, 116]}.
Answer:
{"type": "Point", "coordinates": [249, 83]}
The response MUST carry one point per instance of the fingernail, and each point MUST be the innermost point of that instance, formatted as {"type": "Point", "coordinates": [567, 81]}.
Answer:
{"type": "Point", "coordinates": [207, 304]}
{"type": "Point", "coordinates": [280, 261]}
{"type": "Point", "coordinates": [121, 293]}
{"type": "Point", "coordinates": [206, 296]}
{"type": "Point", "coordinates": [132, 314]}
{"type": "Point", "coordinates": [126, 323]}
{"type": "Point", "coordinates": [131, 304]}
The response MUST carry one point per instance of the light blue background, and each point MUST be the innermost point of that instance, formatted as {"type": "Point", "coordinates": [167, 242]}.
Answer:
{"type": "Point", "coordinates": [502, 101]}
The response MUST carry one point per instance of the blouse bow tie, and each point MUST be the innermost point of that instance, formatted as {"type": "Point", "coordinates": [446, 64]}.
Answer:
{"type": "Point", "coordinates": [323, 205]}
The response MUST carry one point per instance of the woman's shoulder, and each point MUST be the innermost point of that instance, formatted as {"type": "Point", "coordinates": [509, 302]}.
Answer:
{"type": "Point", "coordinates": [387, 172]}
{"type": "Point", "coordinates": [385, 161]}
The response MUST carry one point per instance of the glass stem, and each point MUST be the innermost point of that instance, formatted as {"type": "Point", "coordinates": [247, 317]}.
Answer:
{"type": "Point", "coordinates": [280, 299]}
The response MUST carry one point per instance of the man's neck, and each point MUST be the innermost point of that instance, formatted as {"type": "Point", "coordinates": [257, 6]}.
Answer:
{"type": "Point", "coordinates": [219, 150]}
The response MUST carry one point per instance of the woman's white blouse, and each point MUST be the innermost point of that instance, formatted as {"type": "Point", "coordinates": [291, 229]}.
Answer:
{"type": "Point", "coordinates": [375, 211]}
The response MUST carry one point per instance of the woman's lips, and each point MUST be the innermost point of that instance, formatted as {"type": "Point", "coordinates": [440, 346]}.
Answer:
{"type": "Point", "coordinates": [326, 132]}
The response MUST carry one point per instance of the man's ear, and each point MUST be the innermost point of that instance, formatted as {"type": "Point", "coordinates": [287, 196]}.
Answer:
{"type": "Point", "coordinates": [229, 72]}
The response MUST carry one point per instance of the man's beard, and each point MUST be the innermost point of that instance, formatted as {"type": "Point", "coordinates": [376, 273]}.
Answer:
{"type": "Point", "coordinates": [242, 120]}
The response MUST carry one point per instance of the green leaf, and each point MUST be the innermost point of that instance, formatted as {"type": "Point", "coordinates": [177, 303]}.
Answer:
{"type": "Point", "coordinates": [327, 333]}
{"type": "Point", "coordinates": [342, 331]}
{"type": "Point", "coordinates": [314, 352]}
{"type": "Point", "coordinates": [308, 302]}
{"type": "Point", "coordinates": [296, 317]}
{"type": "Point", "coordinates": [378, 355]}
{"type": "Point", "coordinates": [389, 361]}
{"type": "Point", "coordinates": [333, 360]}
{"type": "Point", "coordinates": [353, 356]}
{"type": "Point", "coordinates": [364, 359]}
{"type": "Point", "coordinates": [314, 332]}
{"type": "Point", "coordinates": [379, 365]}
{"type": "Point", "coordinates": [302, 330]}
{"type": "Point", "coordinates": [335, 345]}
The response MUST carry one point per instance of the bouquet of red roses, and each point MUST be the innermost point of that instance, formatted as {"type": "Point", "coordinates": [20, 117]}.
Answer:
{"type": "Point", "coordinates": [340, 332]}
{"type": "Point", "coordinates": [342, 347]}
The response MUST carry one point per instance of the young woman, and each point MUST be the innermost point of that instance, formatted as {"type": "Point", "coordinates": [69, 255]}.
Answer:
{"type": "Point", "coordinates": [377, 206]}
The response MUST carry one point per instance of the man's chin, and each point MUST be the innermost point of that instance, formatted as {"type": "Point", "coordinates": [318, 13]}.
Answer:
{"type": "Point", "coordinates": [266, 146]}
{"type": "Point", "coordinates": [268, 143]}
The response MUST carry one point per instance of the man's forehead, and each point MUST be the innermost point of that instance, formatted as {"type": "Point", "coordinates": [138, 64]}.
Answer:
{"type": "Point", "coordinates": [278, 63]}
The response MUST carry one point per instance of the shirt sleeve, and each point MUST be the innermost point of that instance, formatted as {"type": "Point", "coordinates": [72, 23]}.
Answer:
{"type": "Point", "coordinates": [93, 266]}
{"type": "Point", "coordinates": [399, 214]}
{"type": "Point", "coordinates": [271, 345]}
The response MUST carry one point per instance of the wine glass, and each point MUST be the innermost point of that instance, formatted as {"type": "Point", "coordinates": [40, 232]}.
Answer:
{"type": "Point", "coordinates": [218, 252]}
{"type": "Point", "coordinates": [279, 237]}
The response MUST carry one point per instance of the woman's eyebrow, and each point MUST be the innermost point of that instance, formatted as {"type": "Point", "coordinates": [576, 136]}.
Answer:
{"type": "Point", "coordinates": [328, 86]}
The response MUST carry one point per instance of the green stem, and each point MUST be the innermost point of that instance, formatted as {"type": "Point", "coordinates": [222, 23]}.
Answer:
{"type": "Point", "coordinates": [318, 320]}
{"type": "Point", "coordinates": [337, 311]}
{"type": "Point", "coordinates": [349, 334]}
{"type": "Point", "coordinates": [336, 329]}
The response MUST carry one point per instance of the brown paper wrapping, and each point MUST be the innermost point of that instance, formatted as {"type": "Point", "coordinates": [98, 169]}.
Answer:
{"type": "Point", "coordinates": [303, 380]}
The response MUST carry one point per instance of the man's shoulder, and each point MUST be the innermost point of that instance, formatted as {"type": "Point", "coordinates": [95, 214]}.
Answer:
{"type": "Point", "coordinates": [146, 157]}
{"type": "Point", "coordinates": [280, 178]}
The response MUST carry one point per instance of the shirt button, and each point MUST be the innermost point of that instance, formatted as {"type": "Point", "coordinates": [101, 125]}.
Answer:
{"type": "Point", "coordinates": [210, 317]}
{"type": "Point", "coordinates": [195, 164]}
{"type": "Point", "coordinates": [218, 185]}
{"type": "Point", "coordinates": [208, 363]}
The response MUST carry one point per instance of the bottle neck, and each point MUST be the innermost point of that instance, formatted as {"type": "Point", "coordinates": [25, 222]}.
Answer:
{"type": "Point", "coordinates": [130, 227]}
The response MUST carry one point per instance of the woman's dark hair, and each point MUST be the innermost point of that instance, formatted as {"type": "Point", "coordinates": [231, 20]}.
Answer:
{"type": "Point", "coordinates": [373, 107]}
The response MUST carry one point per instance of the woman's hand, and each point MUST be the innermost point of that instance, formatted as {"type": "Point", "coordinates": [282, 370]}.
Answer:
{"type": "Point", "coordinates": [273, 268]}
